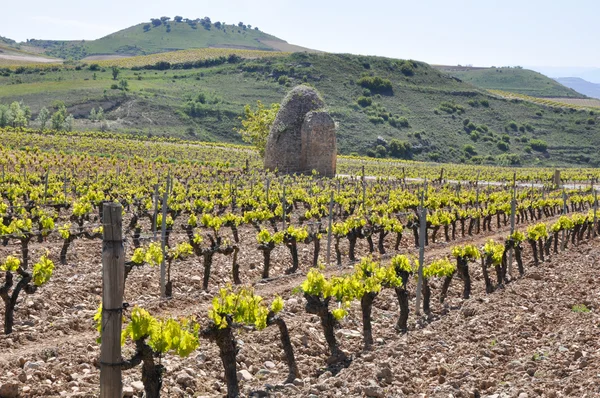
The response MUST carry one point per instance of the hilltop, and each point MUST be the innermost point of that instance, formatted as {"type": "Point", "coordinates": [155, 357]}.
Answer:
{"type": "Point", "coordinates": [518, 80]}
{"type": "Point", "coordinates": [163, 35]}
{"type": "Point", "coordinates": [581, 85]}
{"type": "Point", "coordinates": [384, 107]}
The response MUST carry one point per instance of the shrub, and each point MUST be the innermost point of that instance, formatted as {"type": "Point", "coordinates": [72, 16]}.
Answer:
{"type": "Point", "coordinates": [364, 101]}
{"type": "Point", "coordinates": [407, 69]}
{"type": "Point", "coordinates": [591, 121]}
{"type": "Point", "coordinates": [400, 149]}
{"type": "Point", "coordinates": [376, 119]}
{"type": "Point", "coordinates": [513, 125]}
{"type": "Point", "coordinates": [503, 146]}
{"type": "Point", "coordinates": [469, 149]}
{"type": "Point", "coordinates": [506, 138]}
{"type": "Point", "coordinates": [539, 145]}
{"type": "Point", "coordinates": [94, 67]}
{"type": "Point", "coordinates": [485, 103]}
{"type": "Point", "coordinates": [376, 84]}
{"type": "Point", "coordinates": [450, 107]}
{"type": "Point", "coordinates": [474, 135]}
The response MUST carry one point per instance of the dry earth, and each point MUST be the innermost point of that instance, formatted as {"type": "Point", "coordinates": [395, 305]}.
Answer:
{"type": "Point", "coordinates": [521, 341]}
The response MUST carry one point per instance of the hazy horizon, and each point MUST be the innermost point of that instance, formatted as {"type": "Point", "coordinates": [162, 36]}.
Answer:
{"type": "Point", "coordinates": [465, 32]}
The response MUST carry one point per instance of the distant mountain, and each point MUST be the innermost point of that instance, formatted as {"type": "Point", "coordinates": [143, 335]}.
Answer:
{"type": "Point", "coordinates": [587, 73]}
{"type": "Point", "coordinates": [164, 35]}
{"type": "Point", "coordinates": [581, 86]}
{"type": "Point", "coordinates": [517, 80]}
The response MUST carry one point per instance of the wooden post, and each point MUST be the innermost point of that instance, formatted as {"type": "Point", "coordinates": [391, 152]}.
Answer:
{"type": "Point", "coordinates": [595, 211]}
{"type": "Point", "coordinates": [163, 243]}
{"type": "Point", "coordinates": [513, 210]}
{"type": "Point", "coordinates": [283, 206]}
{"type": "Point", "coordinates": [329, 222]}
{"type": "Point", "coordinates": [155, 210]}
{"type": "Point", "coordinates": [113, 281]}
{"type": "Point", "coordinates": [46, 185]}
{"type": "Point", "coordinates": [422, 232]}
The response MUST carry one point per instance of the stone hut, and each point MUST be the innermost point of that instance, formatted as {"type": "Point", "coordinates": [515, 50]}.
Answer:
{"type": "Point", "coordinates": [302, 137]}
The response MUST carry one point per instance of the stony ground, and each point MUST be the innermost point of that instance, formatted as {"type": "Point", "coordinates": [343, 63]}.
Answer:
{"type": "Point", "coordinates": [522, 341]}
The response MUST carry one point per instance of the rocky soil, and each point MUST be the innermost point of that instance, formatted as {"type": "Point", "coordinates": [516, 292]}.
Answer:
{"type": "Point", "coordinates": [526, 340]}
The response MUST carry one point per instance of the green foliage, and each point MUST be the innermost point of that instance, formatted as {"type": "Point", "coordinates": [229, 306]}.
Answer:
{"type": "Point", "coordinates": [580, 308]}
{"type": "Point", "coordinates": [537, 231]}
{"type": "Point", "coordinates": [376, 84]}
{"type": "Point", "coordinates": [364, 101]}
{"type": "Point", "coordinates": [265, 237]}
{"type": "Point", "coordinates": [42, 270]}
{"type": "Point", "coordinates": [517, 236]}
{"type": "Point", "coordinates": [244, 308]}
{"type": "Point", "coordinates": [467, 252]}
{"type": "Point", "coordinates": [11, 264]}
{"type": "Point", "coordinates": [439, 268]}
{"type": "Point", "coordinates": [494, 251]}
{"type": "Point", "coordinates": [451, 107]}
{"type": "Point", "coordinates": [538, 145]}
{"type": "Point", "coordinates": [256, 125]}
{"type": "Point", "coordinates": [163, 335]}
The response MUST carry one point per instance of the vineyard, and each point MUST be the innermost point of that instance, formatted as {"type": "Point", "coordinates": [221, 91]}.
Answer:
{"type": "Point", "coordinates": [392, 279]}
{"type": "Point", "coordinates": [569, 103]}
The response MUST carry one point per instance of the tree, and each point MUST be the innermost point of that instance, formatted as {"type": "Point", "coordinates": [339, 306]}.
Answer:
{"type": "Point", "coordinates": [147, 27]}
{"type": "Point", "coordinates": [57, 120]}
{"type": "Point", "coordinates": [256, 125]}
{"type": "Point", "coordinates": [69, 120]}
{"type": "Point", "coordinates": [43, 118]}
{"type": "Point", "coordinates": [17, 115]}
{"type": "Point", "coordinates": [123, 85]}
{"type": "Point", "coordinates": [115, 72]}
{"type": "Point", "coordinates": [400, 149]}
{"type": "Point", "coordinates": [156, 22]}
{"type": "Point", "coordinates": [178, 18]}
{"type": "Point", "coordinates": [3, 115]}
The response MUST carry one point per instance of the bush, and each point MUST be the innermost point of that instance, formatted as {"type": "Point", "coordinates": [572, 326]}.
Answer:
{"type": "Point", "coordinates": [469, 149]}
{"type": "Point", "coordinates": [400, 149]}
{"type": "Point", "coordinates": [485, 103]}
{"type": "Point", "coordinates": [591, 121]}
{"type": "Point", "coordinates": [407, 69]}
{"type": "Point", "coordinates": [506, 138]}
{"type": "Point", "coordinates": [399, 121]}
{"type": "Point", "coordinates": [512, 125]}
{"type": "Point", "coordinates": [376, 84]}
{"type": "Point", "coordinates": [94, 67]}
{"type": "Point", "coordinates": [503, 146]}
{"type": "Point", "coordinates": [474, 135]}
{"type": "Point", "coordinates": [451, 107]}
{"type": "Point", "coordinates": [539, 145]}
{"type": "Point", "coordinates": [364, 101]}
{"type": "Point", "coordinates": [282, 80]}
{"type": "Point", "coordinates": [376, 119]}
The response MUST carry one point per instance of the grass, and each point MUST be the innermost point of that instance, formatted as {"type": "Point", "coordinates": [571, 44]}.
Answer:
{"type": "Point", "coordinates": [522, 81]}
{"type": "Point", "coordinates": [136, 41]}
{"type": "Point", "coordinates": [443, 115]}
{"type": "Point", "coordinates": [580, 308]}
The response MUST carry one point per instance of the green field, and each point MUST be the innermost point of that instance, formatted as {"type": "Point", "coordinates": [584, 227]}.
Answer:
{"type": "Point", "coordinates": [518, 80]}
{"type": "Point", "coordinates": [441, 118]}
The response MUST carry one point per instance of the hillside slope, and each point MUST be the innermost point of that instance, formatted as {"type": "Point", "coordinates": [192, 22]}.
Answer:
{"type": "Point", "coordinates": [163, 36]}
{"type": "Point", "coordinates": [433, 115]}
{"type": "Point", "coordinates": [518, 80]}
{"type": "Point", "coordinates": [581, 86]}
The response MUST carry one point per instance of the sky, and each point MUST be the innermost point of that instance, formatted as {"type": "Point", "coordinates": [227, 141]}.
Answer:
{"type": "Point", "coordinates": [530, 33]}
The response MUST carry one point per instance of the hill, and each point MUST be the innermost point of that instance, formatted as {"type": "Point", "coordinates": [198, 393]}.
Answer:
{"type": "Point", "coordinates": [518, 80]}
{"type": "Point", "coordinates": [164, 35]}
{"type": "Point", "coordinates": [384, 107]}
{"type": "Point", "coordinates": [581, 86]}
